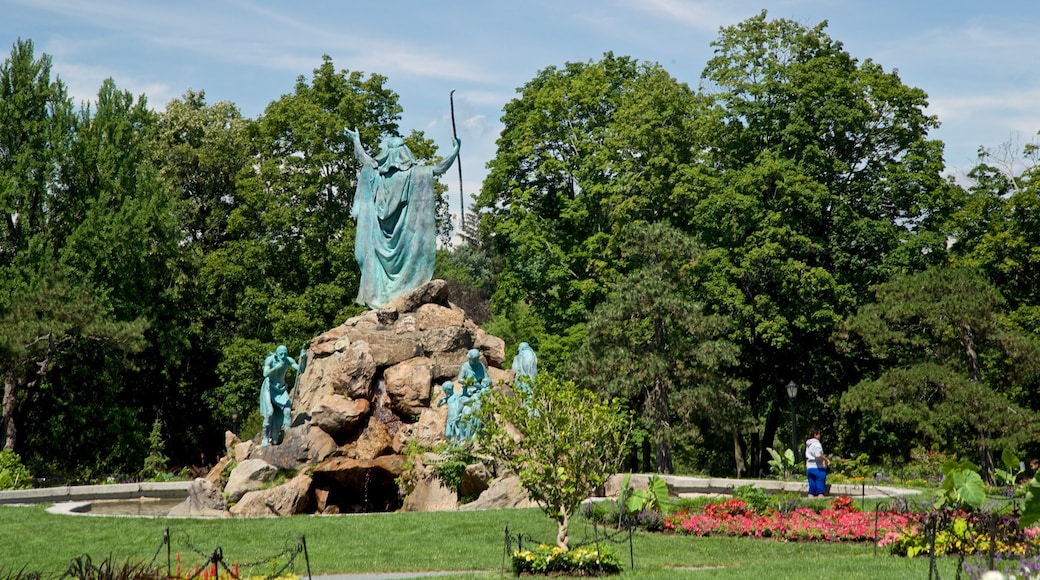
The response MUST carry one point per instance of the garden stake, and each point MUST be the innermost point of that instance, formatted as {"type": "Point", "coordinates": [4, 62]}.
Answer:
{"type": "Point", "coordinates": [306, 557]}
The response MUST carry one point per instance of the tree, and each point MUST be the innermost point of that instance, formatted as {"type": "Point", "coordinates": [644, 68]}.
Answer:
{"type": "Point", "coordinates": [651, 343]}
{"type": "Point", "coordinates": [821, 182]}
{"type": "Point", "coordinates": [569, 442]}
{"type": "Point", "coordinates": [586, 149]}
{"type": "Point", "coordinates": [998, 227]}
{"type": "Point", "coordinates": [947, 363]}
{"type": "Point", "coordinates": [43, 316]}
{"type": "Point", "coordinates": [200, 151]}
{"type": "Point", "coordinates": [46, 305]}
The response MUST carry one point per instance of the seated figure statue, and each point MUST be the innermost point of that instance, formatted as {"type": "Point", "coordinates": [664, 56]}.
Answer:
{"type": "Point", "coordinates": [473, 377]}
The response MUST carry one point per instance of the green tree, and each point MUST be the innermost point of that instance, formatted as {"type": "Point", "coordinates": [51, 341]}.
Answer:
{"type": "Point", "coordinates": [200, 151]}
{"type": "Point", "coordinates": [585, 149]}
{"type": "Point", "coordinates": [947, 363]}
{"type": "Point", "coordinates": [651, 343]}
{"type": "Point", "coordinates": [821, 182]}
{"type": "Point", "coordinates": [563, 443]}
{"type": "Point", "coordinates": [998, 228]}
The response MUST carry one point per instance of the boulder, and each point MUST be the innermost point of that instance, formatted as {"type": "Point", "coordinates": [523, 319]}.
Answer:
{"type": "Point", "coordinates": [428, 431]}
{"type": "Point", "coordinates": [475, 480]}
{"type": "Point", "coordinates": [432, 292]}
{"type": "Point", "coordinates": [373, 441]}
{"type": "Point", "coordinates": [408, 386]}
{"type": "Point", "coordinates": [205, 500]}
{"type": "Point", "coordinates": [336, 413]}
{"type": "Point", "coordinates": [491, 347]}
{"type": "Point", "coordinates": [243, 450]}
{"type": "Point", "coordinates": [429, 493]}
{"type": "Point", "coordinates": [216, 473]}
{"type": "Point", "coordinates": [247, 476]}
{"type": "Point", "coordinates": [301, 447]}
{"type": "Point", "coordinates": [292, 497]}
{"type": "Point", "coordinates": [432, 316]}
{"type": "Point", "coordinates": [504, 492]}
{"type": "Point", "coordinates": [349, 373]}
{"type": "Point", "coordinates": [448, 339]}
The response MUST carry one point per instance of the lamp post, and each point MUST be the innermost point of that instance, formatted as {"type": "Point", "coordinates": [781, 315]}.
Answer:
{"type": "Point", "coordinates": [792, 393]}
{"type": "Point", "coordinates": [234, 421]}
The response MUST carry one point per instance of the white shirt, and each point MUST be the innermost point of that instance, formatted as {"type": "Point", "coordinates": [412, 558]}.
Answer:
{"type": "Point", "coordinates": [813, 450]}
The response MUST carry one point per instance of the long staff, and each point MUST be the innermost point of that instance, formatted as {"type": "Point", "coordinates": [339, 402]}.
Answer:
{"type": "Point", "coordinates": [458, 163]}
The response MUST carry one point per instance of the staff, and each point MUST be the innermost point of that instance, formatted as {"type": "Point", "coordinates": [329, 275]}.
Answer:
{"type": "Point", "coordinates": [458, 162]}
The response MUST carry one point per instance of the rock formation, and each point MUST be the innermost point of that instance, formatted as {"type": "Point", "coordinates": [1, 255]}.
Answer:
{"type": "Point", "coordinates": [370, 386]}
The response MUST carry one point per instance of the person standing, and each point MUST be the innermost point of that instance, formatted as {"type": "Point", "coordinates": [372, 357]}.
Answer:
{"type": "Point", "coordinates": [815, 464]}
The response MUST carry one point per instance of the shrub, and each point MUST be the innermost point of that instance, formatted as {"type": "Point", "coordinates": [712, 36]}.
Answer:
{"type": "Point", "coordinates": [546, 560]}
{"type": "Point", "coordinates": [13, 475]}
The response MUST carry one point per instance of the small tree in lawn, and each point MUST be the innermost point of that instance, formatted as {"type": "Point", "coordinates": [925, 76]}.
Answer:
{"type": "Point", "coordinates": [564, 443]}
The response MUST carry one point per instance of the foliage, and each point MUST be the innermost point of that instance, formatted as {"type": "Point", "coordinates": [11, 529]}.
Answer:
{"type": "Point", "coordinates": [568, 442]}
{"type": "Point", "coordinates": [935, 333]}
{"type": "Point", "coordinates": [156, 462]}
{"type": "Point", "coordinates": [585, 149]}
{"type": "Point", "coordinates": [452, 470]}
{"type": "Point", "coordinates": [654, 498]}
{"type": "Point", "coordinates": [962, 486]}
{"type": "Point", "coordinates": [1012, 469]}
{"type": "Point", "coordinates": [651, 342]}
{"type": "Point", "coordinates": [755, 497]}
{"type": "Point", "coordinates": [13, 475]}
{"type": "Point", "coordinates": [781, 465]}
{"type": "Point", "coordinates": [1031, 506]}
{"type": "Point", "coordinates": [554, 560]}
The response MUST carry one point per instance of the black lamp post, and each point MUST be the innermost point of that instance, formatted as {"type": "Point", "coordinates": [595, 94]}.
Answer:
{"type": "Point", "coordinates": [792, 394]}
{"type": "Point", "coordinates": [234, 421]}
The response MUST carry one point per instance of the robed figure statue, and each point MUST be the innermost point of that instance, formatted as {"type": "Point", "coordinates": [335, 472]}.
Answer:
{"type": "Point", "coordinates": [394, 207]}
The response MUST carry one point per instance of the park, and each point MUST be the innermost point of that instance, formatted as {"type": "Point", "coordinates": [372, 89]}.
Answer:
{"type": "Point", "coordinates": [742, 330]}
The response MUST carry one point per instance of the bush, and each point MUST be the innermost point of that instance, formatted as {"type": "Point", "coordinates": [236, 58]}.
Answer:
{"type": "Point", "coordinates": [755, 497]}
{"type": "Point", "coordinates": [555, 560]}
{"type": "Point", "coordinates": [13, 475]}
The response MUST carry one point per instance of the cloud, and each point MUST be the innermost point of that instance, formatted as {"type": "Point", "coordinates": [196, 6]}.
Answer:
{"type": "Point", "coordinates": [702, 16]}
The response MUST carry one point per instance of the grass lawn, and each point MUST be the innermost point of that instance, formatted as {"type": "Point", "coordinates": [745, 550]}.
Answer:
{"type": "Point", "coordinates": [465, 541]}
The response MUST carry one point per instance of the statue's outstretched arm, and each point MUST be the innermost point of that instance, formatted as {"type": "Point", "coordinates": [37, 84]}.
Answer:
{"type": "Point", "coordinates": [359, 150]}
{"type": "Point", "coordinates": [444, 165]}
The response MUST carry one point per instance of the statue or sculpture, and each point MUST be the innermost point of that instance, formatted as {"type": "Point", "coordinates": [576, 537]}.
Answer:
{"type": "Point", "coordinates": [473, 377]}
{"type": "Point", "coordinates": [473, 374]}
{"type": "Point", "coordinates": [525, 368]}
{"type": "Point", "coordinates": [454, 429]}
{"type": "Point", "coordinates": [275, 400]}
{"type": "Point", "coordinates": [394, 207]}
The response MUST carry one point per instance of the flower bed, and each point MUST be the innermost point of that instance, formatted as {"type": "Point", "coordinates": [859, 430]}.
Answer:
{"type": "Point", "coordinates": [840, 522]}
{"type": "Point", "coordinates": [546, 560]}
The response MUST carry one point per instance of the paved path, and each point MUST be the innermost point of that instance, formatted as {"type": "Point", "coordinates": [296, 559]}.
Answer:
{"type": "Point", "coordinates": [399, 575]}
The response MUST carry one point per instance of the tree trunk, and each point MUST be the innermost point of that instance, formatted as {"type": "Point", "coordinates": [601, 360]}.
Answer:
{"type": "Point", "coordinates": [985, 454]}
{"type": "Point", "coordinates": [9, 432]}
{"type": "Point", "coordinates": [738, 453]}
{"type": "Point", "coordinates": [768, 434]}
{"type": "Point", "coordinates": [563, 523]}
{"type": "Point", "coordinates": [663, 436]}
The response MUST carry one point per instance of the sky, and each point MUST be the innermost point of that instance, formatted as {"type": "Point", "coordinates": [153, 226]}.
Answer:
{"type": "Point", "coordinates": [977, 61]}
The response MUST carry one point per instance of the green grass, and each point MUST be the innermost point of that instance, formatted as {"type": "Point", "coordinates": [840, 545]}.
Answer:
{"type": "Point", "coordinates": [465, 541]}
